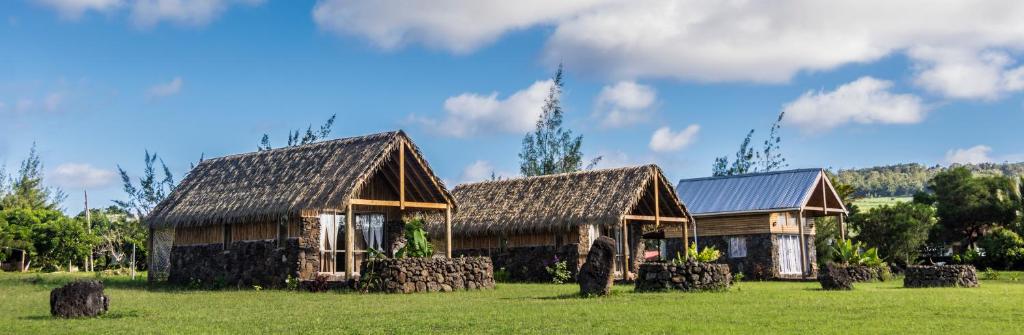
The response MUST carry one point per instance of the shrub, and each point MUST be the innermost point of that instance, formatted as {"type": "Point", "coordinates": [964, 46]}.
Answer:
{"type": "Point", "coordinates": [559, 272]}
{"type": "Point", "coordinates": [990, 274]}
{"type": "Point", "coordinates": [707, 255]}
{"type": "Point", "coordinates": [898, 231]}
{"type": "Point", "coordinates": [502, 276]}
{"type": "Point", "coordinates": [970, 256]}
{"type": "Point", "coordinates": [291, 283]}
{"type": "Point", "coordinates": [1003, 248]}
{"type": "Point", "coordinates": [849, 253]}
{"type": "Point", "coordinates": [416, 242]}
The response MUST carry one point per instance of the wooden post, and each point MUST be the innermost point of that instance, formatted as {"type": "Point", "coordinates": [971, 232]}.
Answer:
{"type": "Point", "coordinates": [448, 231]}
{"type": "Point", "coordinates": [625, 249]}
{"type": "Point", "coordinates": [657, 204]}
{"type": "Point", "coordinates": [23, 267]}
{"type": "Point", "coordinates": [349, 244]}
{"type": "Point", "coordinates": [88, 228]}
{"type": "Point", "coordinates": [401, 175]}
{"type": "Point", "coordinates": [803, 244]}
{"type": "Point", "coordinates": [842, 227]}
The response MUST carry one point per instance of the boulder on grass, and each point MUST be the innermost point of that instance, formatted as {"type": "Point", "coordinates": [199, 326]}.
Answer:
{"type": "Point", "coordinates": [82, 298]}
{"type": "Point", "coordinates": [597, 274]}
{"type": "Point", "coordinates": [835, 277]}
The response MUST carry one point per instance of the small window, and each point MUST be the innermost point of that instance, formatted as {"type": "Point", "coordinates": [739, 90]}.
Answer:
{"type": "Point", "coordinates": [737, 247]}
{"type": "Point", "coordinates": [780, 220]}
{"type": "Point", "coordinates": [791, 219]}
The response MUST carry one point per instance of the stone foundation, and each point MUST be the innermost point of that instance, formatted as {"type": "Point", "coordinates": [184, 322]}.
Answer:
{"type": "Point", "coordinates": [862, 273]}
{"type": "Point", "coordinates": [408, 275]}
{"type": "Point", "coordinates": [941, 276]}
{"type": "Point", "coordinates": [689, 276]}
{"type": "Point", "coordinates": [244, 263]}
{"type": "Point", "coordinates": [528, 264]}
{"type": "Point", "coordinates": [761, 261]}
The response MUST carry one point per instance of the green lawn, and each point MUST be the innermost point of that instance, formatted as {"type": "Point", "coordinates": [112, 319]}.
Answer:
{"type": "Point", "coordinates": [867, 204]}
{"type": "Point", "coordinates": [750, 307]}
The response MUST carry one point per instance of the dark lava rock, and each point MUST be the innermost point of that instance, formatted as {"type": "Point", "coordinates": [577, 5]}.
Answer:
{"type": "Point", "coordinates": [82, 298]}
{"type": "Point", "coordinates": [835, 277]}
{"type": "Point", "coordinates": [597, 274]}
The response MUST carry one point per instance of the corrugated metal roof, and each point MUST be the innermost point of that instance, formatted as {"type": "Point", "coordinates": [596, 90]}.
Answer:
{"type": "Point", "coordinates": [747, 192]}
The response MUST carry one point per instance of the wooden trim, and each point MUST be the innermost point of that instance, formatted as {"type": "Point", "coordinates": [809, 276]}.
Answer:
{"type": "Point", "coordinates": [652, 218]}
{"type": "Point", "coordinates": [842, 227]}
{"type": "Point", "coordinates": [448, 231]}
{"type": "Point", "coordinates": [349, 243]}
{"type": "Point", "coordinates": [657, 203]}
{"type": "Point", "coordinates": [803, 245]}
{"type": "Point", "coordinates": [394, 203]}
{"type": "Point", "coordinates": [625, 250]}
{"type": "Point", "coordinates": [401, 174]}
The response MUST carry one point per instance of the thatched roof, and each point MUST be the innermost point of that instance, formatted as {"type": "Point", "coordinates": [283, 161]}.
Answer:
{"type": "Point", "coordinates": [287, 181]}
{"type": "Point", "coordinates": [558, 202]}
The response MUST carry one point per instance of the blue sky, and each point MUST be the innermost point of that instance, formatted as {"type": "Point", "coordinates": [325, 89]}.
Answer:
{"type": "Point", "coordinates": [95, 83]}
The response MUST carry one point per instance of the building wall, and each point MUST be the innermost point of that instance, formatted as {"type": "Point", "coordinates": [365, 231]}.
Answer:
{"type": "Point", "coordinates": [761, 260]}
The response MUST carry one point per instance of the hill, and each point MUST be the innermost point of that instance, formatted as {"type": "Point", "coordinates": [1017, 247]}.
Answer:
{"type": "Point", "coordinates": [903, 180]}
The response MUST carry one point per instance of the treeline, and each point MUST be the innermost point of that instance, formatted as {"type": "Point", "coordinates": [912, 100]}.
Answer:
{"type": "Point", "coordinates": [903, 180]}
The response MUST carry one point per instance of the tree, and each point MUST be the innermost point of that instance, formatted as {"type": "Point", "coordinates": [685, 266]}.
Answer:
{"type": "Point", "coordinates": [898, 231]}
{"type": "Point", "coordinates": [309, 136]}
{"type": "Point", "coordinates": [61, 240]}
{"type": "Point", "coordinates": [551, 149]}
{"type": "Point", "coordinates": [747, 160]}
{"type": "Point", "coordinates": [116, 232]}
{"type": "Point", "coordinates": [1003, 248]}
{"type": "Point", "coordinates": [26, 189]}
{"type": "Point", "coordinates": [968, 206]}
{"type": "Point", "coordinates": [150, 190]}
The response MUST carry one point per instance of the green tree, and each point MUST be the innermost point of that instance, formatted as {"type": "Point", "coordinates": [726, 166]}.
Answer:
{"type": "Point", "coordinates": [769, 158]}
{"type": "Point", "coordinates": [968, 206]}
{"type": "Point", "coordinates": [551, 149]}
{"type": "Point", "coordinates": [309, 136]}
{"type": "Point", "coordinates": [61, 240]}
{"type": "Point", "coordinates": [898, 231]}
{"type": "Point", "coordinates": [150, 191]}
{"type": "Point", "coordinates": [1003, 248]}
{"type": "Point", "coordinates": [26, 189]}
{"type": "Point", "coordinates": [116, 233]}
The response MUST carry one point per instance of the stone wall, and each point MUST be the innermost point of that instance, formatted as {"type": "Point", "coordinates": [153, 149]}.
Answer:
{"type": "Point", "coordinates": [437, 274]}
{"type": "Point", "coordinates": [527, 264]}
{"type": "Point", "coordinates": [940, 276]}
{"type": "Point", "coordinates": [689, 276]}
{"type": "Point", "coordinates": [862, 273]}
{"type": "Point", "coordinates": [244, 263]}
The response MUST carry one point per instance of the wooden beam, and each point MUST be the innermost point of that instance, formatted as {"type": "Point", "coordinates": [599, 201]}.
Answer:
{"type": "Point", "coordinates": [657, 203]}
{"type": "Point", "coordinates": [350, 233]}
{"type": "Point", "coordinates": [448, 231]}
{"type": "Point", "coordinates": [803, 245]}
{"type": "Point", "coordinates": [398, 203]}
{"type": "Point", "coordinates": [842, 227]}
{"type": "Point", "coordinates": [625, 250]}
{"type": "Point", "coordinates": [401, 175]}
{"type": "Point", "coordinates": [652, 218]}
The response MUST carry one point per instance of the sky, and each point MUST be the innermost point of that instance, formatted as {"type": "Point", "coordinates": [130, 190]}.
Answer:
{"type": "Point", "coordinates": [96, 83]}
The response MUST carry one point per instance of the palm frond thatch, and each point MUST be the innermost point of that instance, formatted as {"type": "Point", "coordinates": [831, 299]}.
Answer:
{"type": "Point", "coordinates": [268, 185]}
{"type": "Point", "coordinates": [555, 202]}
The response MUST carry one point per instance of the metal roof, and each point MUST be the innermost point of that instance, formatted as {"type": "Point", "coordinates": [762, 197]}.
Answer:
{"type": "Point", "coordinates": [748, 192]}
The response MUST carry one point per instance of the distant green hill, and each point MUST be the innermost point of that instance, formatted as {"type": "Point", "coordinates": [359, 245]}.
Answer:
{"type": "Point", "coordinates": [903, 180]}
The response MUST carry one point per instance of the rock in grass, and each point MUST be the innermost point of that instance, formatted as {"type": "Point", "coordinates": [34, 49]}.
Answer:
{"type": "Point", "coordinates": [82, 298]}
{"type": "Point", "coordinates": [835, 277]}
{"type": "Point", "coordinates": [597, 274]}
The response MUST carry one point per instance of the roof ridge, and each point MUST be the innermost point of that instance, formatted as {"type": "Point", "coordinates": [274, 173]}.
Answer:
{"type": "Point", "coordinates": [309, 145]}
{"type": "Point", "coordinates": [583, 172]}
{"type": "Point", "coordinates": [755, 174]}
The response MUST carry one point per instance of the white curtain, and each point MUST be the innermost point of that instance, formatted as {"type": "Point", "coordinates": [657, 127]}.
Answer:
{"type": "Point", "coordinates": [330, 226]}
{"type": "Point", "coordinates": [372, 226]}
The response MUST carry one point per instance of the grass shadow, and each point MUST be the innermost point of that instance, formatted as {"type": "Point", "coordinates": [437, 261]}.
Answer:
{"type": "Point", "coordinates": [109, 315]}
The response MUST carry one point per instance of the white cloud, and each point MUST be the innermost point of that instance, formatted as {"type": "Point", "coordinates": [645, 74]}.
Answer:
{"type": "Point", "coordinates": [664, 139]}
{"type": "Point", "coordinates": [73, 9]}
{"type": "Point", "coordinates": [866, 100]}
{"type": "Point", "coordinates": [760, 41]}
{"type": "Point", "coordinates": [146, 13]}
{"type": "Point", "coordinates": [973, 155]}
{"type": "Point", "coordinates": [477, 171]}
{"type": "Point", "coordinates": [469, 114]}
{"type": "Point", "coordinates": [76, 175]}
{"type": "Point", "coordinates": [624, 103]}
{"type": "Point", "coordinates": [457, 25]}
{"type": "Point", "coordinates": [166, 89]}
{"type": "Point", "coordinates": [967, 75]}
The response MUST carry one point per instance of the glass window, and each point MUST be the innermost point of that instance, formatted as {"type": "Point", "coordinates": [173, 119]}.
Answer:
{"type": "Point", "coordinates": [737, 247]}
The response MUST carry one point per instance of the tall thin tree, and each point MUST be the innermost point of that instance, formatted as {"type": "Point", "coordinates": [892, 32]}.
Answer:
{"type": "Point", "coordinates": [550, 148]}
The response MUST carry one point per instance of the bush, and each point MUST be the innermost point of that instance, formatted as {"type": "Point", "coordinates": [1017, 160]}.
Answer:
{"type": "Point", "coordinates": [559, 272]}
{"type": "Point", "coordinates": [416, 242]}
{"type": "Point", "coordinates": [1003, 249]}
{"type": "Point", "coordinates": [849, 253]}
{"type": "Point", "coordinates": [502, 276]}
{"type": "Point", "coordinates": [707, 255]}
{"type": "Point", "coordinates": [898, 231]}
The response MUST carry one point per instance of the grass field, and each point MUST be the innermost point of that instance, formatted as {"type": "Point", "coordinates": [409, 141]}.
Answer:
{"type": "Point", "coordinates": [750, 307]}
{"type": "Point", "coordinates": [866, 204]}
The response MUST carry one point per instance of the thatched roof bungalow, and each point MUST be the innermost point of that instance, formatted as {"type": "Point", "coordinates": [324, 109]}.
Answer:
{"type": "Point", "coordinates": [296, 205]}
{"type": "Point", "coordinates": [763, 222]}
{"type": "Point", "coordinates": [526, 223]}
